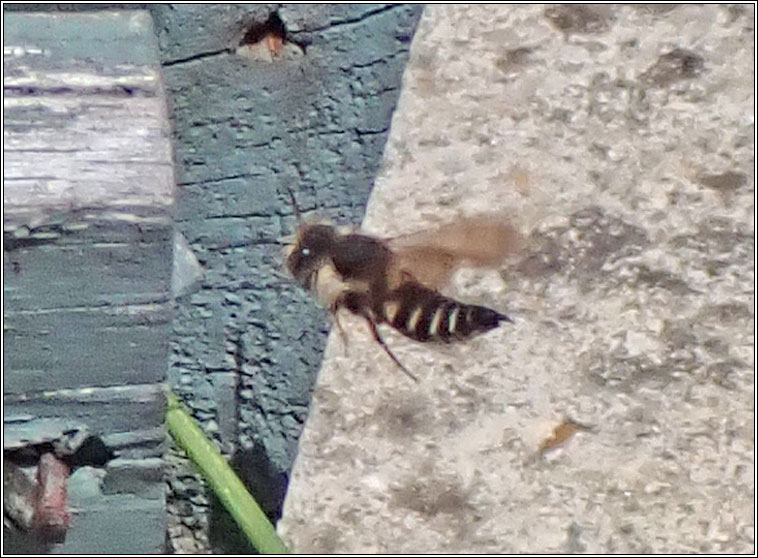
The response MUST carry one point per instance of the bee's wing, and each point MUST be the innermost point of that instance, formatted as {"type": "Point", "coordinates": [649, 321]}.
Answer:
{"type": "Point", "coordinates": [431, 256]}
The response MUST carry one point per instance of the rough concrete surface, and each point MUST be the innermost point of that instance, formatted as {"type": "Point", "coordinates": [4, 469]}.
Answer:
{"type": "Point", "coordinates": [621, 140]}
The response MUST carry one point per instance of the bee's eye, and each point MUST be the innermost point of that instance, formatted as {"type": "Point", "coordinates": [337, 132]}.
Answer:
{"type": "Point", "coordinates": [306, 251]}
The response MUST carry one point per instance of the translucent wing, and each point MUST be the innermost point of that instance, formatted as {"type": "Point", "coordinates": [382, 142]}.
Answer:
{"type": "Point", "coordinates": [431, 256]}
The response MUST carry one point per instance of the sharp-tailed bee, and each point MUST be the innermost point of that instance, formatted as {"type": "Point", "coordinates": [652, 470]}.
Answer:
{"type": "Point", "coordinates": [396, 281]}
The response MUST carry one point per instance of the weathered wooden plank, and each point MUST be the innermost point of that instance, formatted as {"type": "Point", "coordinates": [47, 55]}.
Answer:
{"type": "Point", "coordinates": [244, 127]}
{"type": "Point", "coordinates": [69, 348]}
{"type": "Point", "coordinates": [85, 123]}
{"type": "Point", "coordinates": [102, 411]}
{"type": "Point", "coordinates": [88, 242]}
{"type": "Point", "coordinates": [131, 263]}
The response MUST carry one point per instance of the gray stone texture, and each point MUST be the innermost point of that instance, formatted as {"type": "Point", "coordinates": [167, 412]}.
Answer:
{"type": "Point", "coordinates": [620, 139]}
{"type": "Point", "coordinates": [247, 343]}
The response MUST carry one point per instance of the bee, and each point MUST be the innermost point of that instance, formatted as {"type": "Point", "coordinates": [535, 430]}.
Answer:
{"type": "Point", "coordinates": [397, 281]}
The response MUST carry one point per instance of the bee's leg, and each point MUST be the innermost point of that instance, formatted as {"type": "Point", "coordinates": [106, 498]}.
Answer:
{"type": "Point", "coordinates": [334, 309]}
{"type": "Point", "coordinates": [358, 304]}
{"type": "Point", "coordinates": [379, 340]}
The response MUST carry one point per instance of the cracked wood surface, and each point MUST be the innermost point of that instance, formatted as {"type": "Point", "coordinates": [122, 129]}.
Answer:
{"type": "Point", "coordinates": [77, 135]}
{"type": "Point", "coordinates": [88, 190]}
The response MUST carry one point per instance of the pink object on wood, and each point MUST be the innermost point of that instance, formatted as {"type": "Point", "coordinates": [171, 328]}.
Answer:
{"type": "Point", "coordinates": [52, 515]}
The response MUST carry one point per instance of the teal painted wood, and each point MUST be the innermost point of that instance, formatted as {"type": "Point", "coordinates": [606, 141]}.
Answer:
{"type": "Point", "coordinates": [88, 194]}
{"type": "Point", "coordinates": [248, 344]}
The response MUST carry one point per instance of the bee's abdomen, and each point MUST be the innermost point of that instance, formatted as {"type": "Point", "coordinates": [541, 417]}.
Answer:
{"type": "Point", "coordinates": [425, 315]}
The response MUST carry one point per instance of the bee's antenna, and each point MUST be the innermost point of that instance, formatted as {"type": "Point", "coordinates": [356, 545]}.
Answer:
{"type": "Point", "coordinates": [298, 215]}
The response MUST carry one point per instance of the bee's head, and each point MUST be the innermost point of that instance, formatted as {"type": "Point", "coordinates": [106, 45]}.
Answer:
{"type": "Point", "coordinates": [313, 244]}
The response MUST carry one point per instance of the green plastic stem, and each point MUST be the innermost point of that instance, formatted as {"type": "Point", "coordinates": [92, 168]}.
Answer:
{"type": "Point", "coordinates": [227, 486]}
